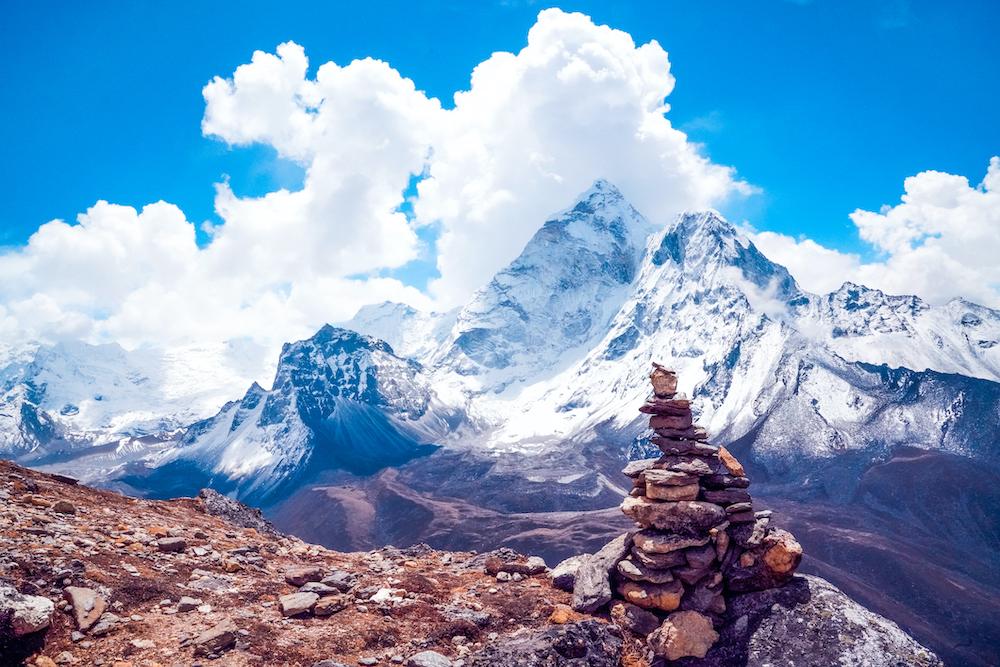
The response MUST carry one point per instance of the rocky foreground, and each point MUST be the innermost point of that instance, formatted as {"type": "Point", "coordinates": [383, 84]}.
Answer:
{"type": "Point", "coordinates": [91, 577]}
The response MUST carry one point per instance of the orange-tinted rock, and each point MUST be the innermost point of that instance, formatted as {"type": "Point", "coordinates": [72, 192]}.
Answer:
{"type": "Point", "coordinates": [734, 467]}
{"type": "Point", "coordinates": [563, 614]}
{"type": "Point", "coordinates": [664, 382]}
{"type": "Point", "coordinates": [784, 554]}
{"type": "Point", "coordinates": [686, 492]}
{"type": "Point", "coordinates": [683, 634]}
{"type": "Point", "coordinates": [665, 597]}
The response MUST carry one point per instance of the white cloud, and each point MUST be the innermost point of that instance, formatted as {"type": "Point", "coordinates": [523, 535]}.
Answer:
{"type": "Point", "coordinates": [579, 102]}
{"type": "Point", "coordinates": [940, 242]}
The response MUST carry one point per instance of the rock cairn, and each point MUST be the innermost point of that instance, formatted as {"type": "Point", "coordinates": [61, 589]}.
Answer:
{"type": "Point", "coordinates": [699, 538]}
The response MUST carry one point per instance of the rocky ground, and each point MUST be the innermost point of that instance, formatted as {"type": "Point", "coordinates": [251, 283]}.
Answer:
{"type": "Point", "coordinates": [91, 577]}
{"type": "Point", "coordinates": [167, 583]}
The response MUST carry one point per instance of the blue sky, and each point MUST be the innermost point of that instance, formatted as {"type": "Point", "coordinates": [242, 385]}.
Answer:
{"type": "Point", "coordinates": [824, 106]}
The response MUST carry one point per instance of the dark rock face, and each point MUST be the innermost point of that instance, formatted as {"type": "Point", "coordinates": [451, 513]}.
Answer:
{"type": "Point", "coordinates": [809, 622]}
{"type": "Point", "coordinates": [235, 512]}
{"type": "Point", "coordinates": [585, 644]}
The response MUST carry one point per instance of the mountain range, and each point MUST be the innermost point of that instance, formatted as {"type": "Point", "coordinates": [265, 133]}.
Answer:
{"type": "Point", "coordinates": [506, 420]}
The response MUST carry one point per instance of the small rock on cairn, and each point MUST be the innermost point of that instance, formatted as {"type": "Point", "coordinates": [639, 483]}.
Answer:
{"type": "Point", "coordinates": [699, 538]}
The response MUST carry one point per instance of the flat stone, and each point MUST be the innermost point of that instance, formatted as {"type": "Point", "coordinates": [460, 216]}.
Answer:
{"type": "Point", "coordinates": [327, 606]}
{"type": "Point", "coordinates": [638, 572]}
{"type": "Point", "coordinates": [633, 468]}
{"type": "Point", "coordinates": [684, 634]}
{"type": "Point", "coordinates": [659, 561]}
{"type": "Point", "coordinates": [318, 588]}
{"type": "Point", "coordinates": [303, 574]}
{"type": "Point", "coordinates": [661, 477]}
{"type": "Point", "coordinates": [171, 544]}
{"type": "Point", "coordinates": [668, 406]}
{"type": "Point", "coordinates": [294, 604]}
{"type": "Point", "coordinates": [592, 588]}
{"type": "Point", "coordinates": [655, 542]}
{"type": "Point", "coordinates": [742, 506]}
{"type": "Point", "coordinates": [688, 463]}
{"type": "Point", "coordinates": [690, 433]}
{"type": "Point", "coordinates": [672, 493]}
{"type": "Point", "coordinates": [187, 603]}
{"type": "Point", "coordinates": [341, 580]}
{"type": "Point", "coordinates": [88, 606]}
{"type": "Point", "coordinates": [664, 597]}
{"type": "Point", "coordinates": [727, 496]}
{"type": "Point", "coordinates": [685, 516]}
{"type": "Point", "coordinates": [217, 639]}
{"type": "Point", "coordinates": [723, 481]}
{"type": "Point", "coordinates": [105, 624]}
{"type": "Point", "coordinates": [678, 422]}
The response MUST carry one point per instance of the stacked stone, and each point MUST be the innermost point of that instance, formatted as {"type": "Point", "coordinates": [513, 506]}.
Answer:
{"type": "Point", "coordinates": [699, 536]}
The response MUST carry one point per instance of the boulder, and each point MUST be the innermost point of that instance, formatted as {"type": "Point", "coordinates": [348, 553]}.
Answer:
{"type": "Point", "coordinates": [685, 634]}
{"type": "Point", "coordinates": [303, 574]}
{"type": "Point", "coordinates": [23, 614]}
{"type": "Point", "coordinates": [295, 604]}
{"type": "Point", "coordinates": [589, 643]}
{"type": "Point", "coordinates": [64, 507]}
{"type": "Point", "coordinates": [563, 575]}
{"type": "Point", "coordinates": [592, 587]}
{"type": "Point", "coordinates": [808, 621]}
{"type": "Point", "coordinates": [171, 544]}
{"type": "Point", "coordinates": [217, 639]}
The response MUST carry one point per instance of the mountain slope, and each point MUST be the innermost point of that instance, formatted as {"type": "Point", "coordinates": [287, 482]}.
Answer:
{"type": "Point", "coordinates": [339, 400]}
{"type": "Point", "coordinates": [55, 399]}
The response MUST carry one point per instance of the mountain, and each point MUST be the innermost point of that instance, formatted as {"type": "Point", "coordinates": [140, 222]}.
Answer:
{"type": "Point", "coordinates": [56, 400]}
{"type": "Point", "coordinates": [339, 400]}
{"type": "Point", "coordinates": [506, 420]}
{"type": "Point", "coordinates": [553, 301]}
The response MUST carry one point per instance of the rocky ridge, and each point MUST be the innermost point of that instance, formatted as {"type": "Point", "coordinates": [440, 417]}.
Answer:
{"type": "Point", "coordinates": [90, 577]}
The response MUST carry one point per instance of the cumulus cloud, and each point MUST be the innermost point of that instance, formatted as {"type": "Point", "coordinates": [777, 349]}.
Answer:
{"type": "Point", "coordinates": [940, 242]}
{"type": "Point", "coordinates": [535, 128]}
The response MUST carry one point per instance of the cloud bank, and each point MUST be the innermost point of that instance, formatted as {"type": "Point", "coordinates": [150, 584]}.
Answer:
{"type": "Point", "coordinates": [534, 129]}
{"type": "Point", "coordinates": [940, 242]}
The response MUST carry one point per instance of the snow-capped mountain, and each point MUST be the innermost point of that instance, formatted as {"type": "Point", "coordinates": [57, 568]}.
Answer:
{"type": "Point", "coordinates": [340, 400]}
{"type": "Point", "coordinates": [539, 374]}
{"type": "Point", "coordinates": [552, 302]}
{"type": "Point", "coordinates": [54, 398]}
